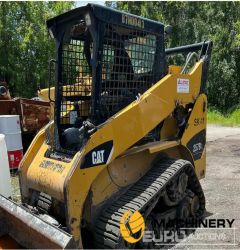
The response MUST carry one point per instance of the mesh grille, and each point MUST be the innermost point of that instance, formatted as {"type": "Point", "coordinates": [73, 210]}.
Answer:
{"type": "Point", "coordinates": [76, 83]}
{"type": "Point", "coordinates": [127, 67]}
{"type": "Point", "coordinates": [126, 70]}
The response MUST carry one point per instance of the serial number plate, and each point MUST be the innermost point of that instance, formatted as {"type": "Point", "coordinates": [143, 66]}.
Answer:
{"type": "Point", "coordinates": [52, 166]}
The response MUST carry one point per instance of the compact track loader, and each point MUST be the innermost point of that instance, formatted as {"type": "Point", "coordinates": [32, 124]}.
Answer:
{"type": "Point", "coordinates": [129, 135]}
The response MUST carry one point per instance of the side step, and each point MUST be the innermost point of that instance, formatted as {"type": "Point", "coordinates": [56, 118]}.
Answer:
{"type": "Point", "coordinates": [141, 196]}
{"type": "Point", "coordinates": [29, 230]}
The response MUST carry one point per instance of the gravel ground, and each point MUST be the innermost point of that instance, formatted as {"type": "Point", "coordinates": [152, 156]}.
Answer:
{"type": "Point", "coordinates": [221, 187]}
{"type": "Point", "coordinates": [15, 187]}
{"type": "Point", "coordinates": [222, 191]}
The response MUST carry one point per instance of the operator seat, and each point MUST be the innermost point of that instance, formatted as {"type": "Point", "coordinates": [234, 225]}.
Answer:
{"type": "Point", "coordinates": [122, 69]}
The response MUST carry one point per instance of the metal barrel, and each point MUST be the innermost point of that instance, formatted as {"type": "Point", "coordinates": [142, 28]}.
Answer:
{"type": "Point", "coordinates": [30, 231]}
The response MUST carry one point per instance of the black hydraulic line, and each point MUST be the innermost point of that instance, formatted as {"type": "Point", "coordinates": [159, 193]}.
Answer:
{"type": "Point", "coordinates": [188, 48]}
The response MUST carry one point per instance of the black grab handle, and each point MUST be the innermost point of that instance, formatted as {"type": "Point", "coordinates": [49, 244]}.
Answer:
{"type": "Point", "coordinates": [51, 62]}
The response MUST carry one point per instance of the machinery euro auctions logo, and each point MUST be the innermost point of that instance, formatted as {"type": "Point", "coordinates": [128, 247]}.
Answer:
{"type": "Point", "coordinates": [132, 226]}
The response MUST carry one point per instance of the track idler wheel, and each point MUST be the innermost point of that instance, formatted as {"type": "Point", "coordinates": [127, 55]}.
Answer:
{"type": "Point", "coordinates": [175, 190]}
{"type": "Point", "coordinates": [194, 206]}
{"type": "Point", "coordinates": [169, 180]}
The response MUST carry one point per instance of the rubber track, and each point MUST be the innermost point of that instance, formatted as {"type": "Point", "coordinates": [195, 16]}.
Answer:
{"type": "Point", "coordinates": [140, 195]}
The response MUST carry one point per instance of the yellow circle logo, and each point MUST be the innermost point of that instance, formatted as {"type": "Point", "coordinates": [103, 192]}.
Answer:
{"type": "Point", "coordinates": [132, 226]}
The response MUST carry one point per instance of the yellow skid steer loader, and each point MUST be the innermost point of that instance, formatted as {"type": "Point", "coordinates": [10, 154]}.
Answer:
{"type": "Point", "coordinates": [128, 136]}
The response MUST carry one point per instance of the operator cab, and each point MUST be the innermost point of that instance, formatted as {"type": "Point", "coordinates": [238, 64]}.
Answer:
{"type": "Point", "coordinates": [105, 59]}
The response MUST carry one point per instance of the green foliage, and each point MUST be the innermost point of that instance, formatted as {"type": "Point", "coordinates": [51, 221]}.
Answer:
{"type": "Point", "coordinates": [198, 21]}
{"type": "Point", "coordinates": [25, 45]}
{"type": "Point", "coordinates": [230, 119]}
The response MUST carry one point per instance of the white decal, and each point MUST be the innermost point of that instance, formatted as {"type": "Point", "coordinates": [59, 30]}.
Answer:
{"type": "Point", "coordinates": [182, 85]}
{"type": "Point", "coordinates": [110, 156]}
{"type": "Point", "coordinates": [97, 157]}
{"type": "Point", "coordinates": [88, 19]}
{"type": "Point", "coordinates": [197, 147]}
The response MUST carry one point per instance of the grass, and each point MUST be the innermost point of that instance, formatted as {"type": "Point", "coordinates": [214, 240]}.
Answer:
{"type": "Point", "coordinates": [232, 119]}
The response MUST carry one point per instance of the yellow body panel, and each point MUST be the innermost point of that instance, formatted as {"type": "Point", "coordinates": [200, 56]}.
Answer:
{"type": "Point", "coordinates": [78, 87]}
{"type": "Point", "coordinates": [67, 182]}
{"type": "Point", "coordinates": [169, 128]}
{"type": "Point", "coordinates": [127, 169]}
{"type": "Point", "coordinates": [44, 94]}
{"type": "Point", "coordinates": [196, 123]}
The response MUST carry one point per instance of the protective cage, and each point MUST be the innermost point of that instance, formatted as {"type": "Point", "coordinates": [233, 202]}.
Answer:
{"type": "Point", "coordinates": [106, 58]}
{"type": "Point", "coordinates": [127, 67]}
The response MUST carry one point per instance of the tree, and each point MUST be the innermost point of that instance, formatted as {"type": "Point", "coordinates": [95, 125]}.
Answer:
{"type": "Point", "coordinates": [198, 21]}
{"type": "Point", "coordinates": [25, 45]}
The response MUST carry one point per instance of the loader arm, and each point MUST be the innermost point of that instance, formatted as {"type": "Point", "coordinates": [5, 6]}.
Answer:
{"type": "Point", "coordinates": [125, 129]}
{"type": "Point", "coordinates": [115, 98]}
{"type": "Point", "coordinates": [110, 141]}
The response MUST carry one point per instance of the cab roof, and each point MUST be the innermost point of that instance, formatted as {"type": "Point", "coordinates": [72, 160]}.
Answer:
{"type": "Point", "coordinates": [107, 15]}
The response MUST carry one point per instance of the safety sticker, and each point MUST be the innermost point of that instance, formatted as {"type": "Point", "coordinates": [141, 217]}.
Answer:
{"type": "Point", "coordinates": [182, 85]}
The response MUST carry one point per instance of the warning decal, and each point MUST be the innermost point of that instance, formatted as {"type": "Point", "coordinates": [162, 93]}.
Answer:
{"type": "Point", "coordinates": [182, 85]}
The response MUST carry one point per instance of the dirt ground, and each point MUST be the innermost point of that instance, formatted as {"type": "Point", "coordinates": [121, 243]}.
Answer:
{"type": "Point", "coordinates": [221, 187]}
{"type": "Point", "coordinates": [15, 187]}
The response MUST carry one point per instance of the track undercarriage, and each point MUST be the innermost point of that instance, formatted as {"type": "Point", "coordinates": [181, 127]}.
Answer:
{"type": "Point", "coordinates": [118, 106]}
{"type": "Point", "coordinates": [170, 191]}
